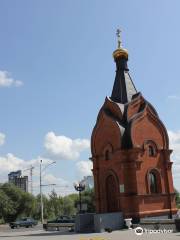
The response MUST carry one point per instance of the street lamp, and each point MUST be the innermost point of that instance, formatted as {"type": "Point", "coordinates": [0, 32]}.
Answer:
{"type": "Point", "coordinates": [43, 185]}
{"type": "Point", "coordinates": [79, 187]}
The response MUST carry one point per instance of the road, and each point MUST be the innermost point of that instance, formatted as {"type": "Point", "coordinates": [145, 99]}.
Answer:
{"type": "Point", "coordinates": [38, 233]}
{"type": "Point", "coordinates": [6, 228]}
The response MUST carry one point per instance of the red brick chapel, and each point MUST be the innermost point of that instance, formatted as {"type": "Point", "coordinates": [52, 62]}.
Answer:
{"type": "Point", "coordinates": [130, 152]}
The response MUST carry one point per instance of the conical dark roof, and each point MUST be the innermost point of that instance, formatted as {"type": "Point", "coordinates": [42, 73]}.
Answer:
{"type": "Point", "coordinates": [123, 88]}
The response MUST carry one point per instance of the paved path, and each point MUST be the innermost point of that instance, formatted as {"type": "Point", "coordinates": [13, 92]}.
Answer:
{"type": "Point", "coordinates": [116, 235]}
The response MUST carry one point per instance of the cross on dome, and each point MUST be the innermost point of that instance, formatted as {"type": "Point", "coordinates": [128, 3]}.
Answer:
{"type": "Point", "coordinates": [118, 34]}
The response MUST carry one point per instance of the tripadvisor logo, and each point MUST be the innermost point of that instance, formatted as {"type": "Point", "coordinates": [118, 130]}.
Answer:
{"type": "Point", "coordinates": [139, 231]}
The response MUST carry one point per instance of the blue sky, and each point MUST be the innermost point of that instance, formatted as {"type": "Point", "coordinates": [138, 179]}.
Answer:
{"type": "Point", "coordinates": [60, 52]}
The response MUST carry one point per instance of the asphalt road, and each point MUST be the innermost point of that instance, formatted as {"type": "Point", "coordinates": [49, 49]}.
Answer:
{"type": "Point", "coordinates": [38, 233]}
{"type": "Point", "coordinates": [6, 228]}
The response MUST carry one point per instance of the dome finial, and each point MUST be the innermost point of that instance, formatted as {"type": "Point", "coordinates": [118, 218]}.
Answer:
{"type": "Point", "coordinates": [120, 51]}
{"type": "Point", "coordinates": [118, 34]}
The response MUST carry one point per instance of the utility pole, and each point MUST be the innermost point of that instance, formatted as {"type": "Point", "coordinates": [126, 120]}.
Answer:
{"type": "Point", "coordinates": [42, 212]}
{"type": "Point", "coordinates": [31, 177]}
{"type": "Point", "coordinates": [43, 185]}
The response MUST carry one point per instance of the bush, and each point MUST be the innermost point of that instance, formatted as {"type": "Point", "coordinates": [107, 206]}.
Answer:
{"type": "Point", "coordinates": [2, 221]}
{"type": "Point", "coordinates": [177, 198]}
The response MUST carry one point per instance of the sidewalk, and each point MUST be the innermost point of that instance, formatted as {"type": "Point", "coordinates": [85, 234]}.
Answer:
{"type": "Point", "coordinates": [116, 235]}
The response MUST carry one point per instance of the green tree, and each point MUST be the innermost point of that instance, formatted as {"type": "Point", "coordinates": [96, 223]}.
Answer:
{"type": "Point", "coordinates": [177, 198]}
{"type": "Point", "coordinates": [46, 208]}
{"type": "Point", "coordinates": [88, 198]}
{"type": "Point", "coordinates": [68, 206]}
{"type": "Point", "coordinates": [6, 206]}
{"type": "Point", "coordinates": [28, 204]}
{"type": "Point", "coordinates": [55, 204]}
{"type": "Point", "coordinates": [15, 203]}
{"type": "Point", "coordinates": [15, 196]}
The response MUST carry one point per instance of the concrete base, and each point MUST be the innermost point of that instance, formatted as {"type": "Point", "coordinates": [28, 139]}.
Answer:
{"type": "Point", "coordinates": [112, 221]}
{"type": "Point", "coordinates": [84, 223]}
{"type": "Point", "coordinates": [92, 222]}
{"type": "Point", "coordinates": [177, 222]}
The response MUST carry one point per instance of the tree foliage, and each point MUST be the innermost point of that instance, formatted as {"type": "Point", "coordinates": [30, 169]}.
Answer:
{"type": "Point", "coordinates": [88, 198]}
{"type": "Point", "coordinates": [177, 198]}
{"type": "Point", "coordinates": [15, 203]}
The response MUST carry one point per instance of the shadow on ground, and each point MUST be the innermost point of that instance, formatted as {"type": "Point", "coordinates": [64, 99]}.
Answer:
{"type": "Point", "coordinates": [39, 234]}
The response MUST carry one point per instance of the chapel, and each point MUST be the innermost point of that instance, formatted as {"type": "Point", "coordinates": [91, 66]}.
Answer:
{"type": "Point", "coordinates": [130, 152]}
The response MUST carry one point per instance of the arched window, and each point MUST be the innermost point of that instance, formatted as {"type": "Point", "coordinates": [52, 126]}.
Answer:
{"type": "Point", "coordinates": [153, 183]}
{"type": "Point", "coordinates": [107, 152]}
{"type": "Point", "coordinates": [151, 150]}
{"type": "Point", "coordinates": [107, 155]}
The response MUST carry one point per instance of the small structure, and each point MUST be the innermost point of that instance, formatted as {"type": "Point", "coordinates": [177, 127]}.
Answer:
{"type": "Point", "coordinates": [130, 152]}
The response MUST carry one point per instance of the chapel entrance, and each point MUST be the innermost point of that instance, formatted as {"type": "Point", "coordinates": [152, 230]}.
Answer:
{"type": "Point", "coordinates": [111, 194]}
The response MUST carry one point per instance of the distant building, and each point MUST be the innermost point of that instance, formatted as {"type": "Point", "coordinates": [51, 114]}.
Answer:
{"type": "Point", "coordinates": [88, 181]}
{"type": "Point", "coordinates": [13, 175]}
{"type": "Point", "coordinates": [18, 180]}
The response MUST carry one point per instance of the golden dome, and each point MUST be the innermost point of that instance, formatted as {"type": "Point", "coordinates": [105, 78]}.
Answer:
{"type": "Point", "coordinates": [120, 52]}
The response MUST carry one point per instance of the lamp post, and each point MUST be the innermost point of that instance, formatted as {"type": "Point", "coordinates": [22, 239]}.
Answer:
{"type": "Point", "coordinates": [41, 197]}
{"type": "Point", "coordinates": [43, 185]}
{"type": "Point", "coordinates": [79, 187]}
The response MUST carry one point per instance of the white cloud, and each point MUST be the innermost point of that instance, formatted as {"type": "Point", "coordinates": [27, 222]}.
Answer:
{"type": "Point", "coordinates": [174, 138]}
{"type": "Point", "coordinates": [84, 168]}
{"type": "Point", "coordinates": [51, 179]}
{"type": "Point", "coordinates": [9, 162]}
{"type": "Point", "coordinates": [175, 97]}
{"type": "Point", "coordinates": [7, 81]}
{"type": "Point", "coordinates": [58, 147]}
{"type": "Point", "coordinates": [2, 138]}
{"type": "Point", "coordinates": [62, 186]}
{"type": "Point", "coordinates": [63, 148]}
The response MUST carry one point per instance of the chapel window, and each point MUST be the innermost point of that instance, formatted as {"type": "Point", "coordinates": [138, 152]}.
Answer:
{"type": "Point", "coordinates": [153, 184]}
{"type": "Point", "coordinates": [151, 151]}
{"type": "Point", "coordinates": [151, 148]}
{"type": "Point", "coordinates": [107, 155]}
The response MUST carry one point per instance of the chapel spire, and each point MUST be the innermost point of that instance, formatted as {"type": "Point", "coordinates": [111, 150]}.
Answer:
{"type": "Point", "coordinates": [123, 88]}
